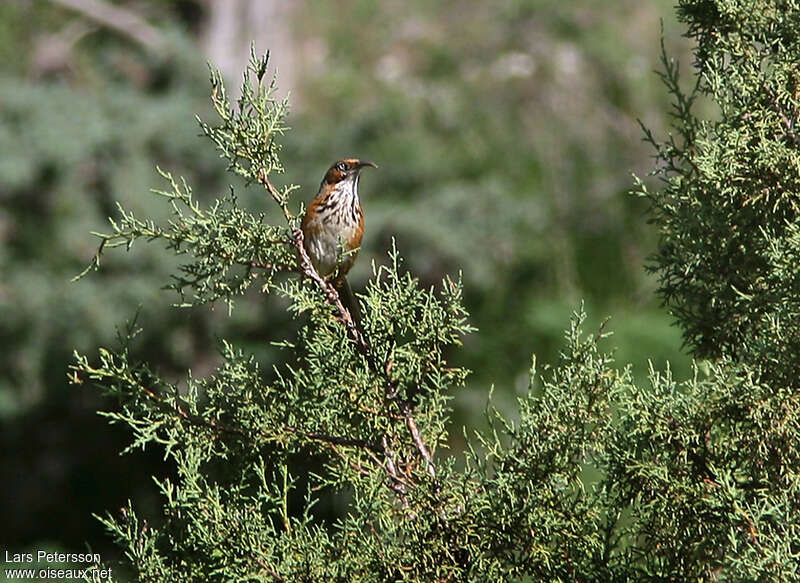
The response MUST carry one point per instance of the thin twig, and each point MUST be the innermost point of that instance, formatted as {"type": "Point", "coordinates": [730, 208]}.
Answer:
{"type": "Point", "coordinates": [264, 179]}
{"type": "Point", "coordinates": [397, 483]}
{"type": "Point", "coordinates": [269, 570]}
{"type": "Point", "coordinates": [344, 441]}
{"type": "Point", "coordinates": [270, 266]}
{"type": "Point", "coordinates": [220, 428]}
{"type": "Point", "coordinates": [353, 464]}
{"type": "Point", "coordinates": [417, 438]}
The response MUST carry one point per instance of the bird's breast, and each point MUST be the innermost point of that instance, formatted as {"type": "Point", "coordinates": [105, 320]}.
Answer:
{"type": "Point", "coordinates": [333, 225]}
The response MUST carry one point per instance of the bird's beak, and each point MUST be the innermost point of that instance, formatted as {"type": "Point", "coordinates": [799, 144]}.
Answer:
{"type": "Point", "coordinates": [363, 163]}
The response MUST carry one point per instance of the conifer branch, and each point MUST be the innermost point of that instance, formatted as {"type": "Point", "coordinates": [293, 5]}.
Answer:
{"type": "Point", "coordinates": [354, 333]}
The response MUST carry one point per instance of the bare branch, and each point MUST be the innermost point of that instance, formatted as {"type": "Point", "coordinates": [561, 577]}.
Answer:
{"type": "Point", "coordinates": [264, 179]}
{"type": "Point", "coordinates": [119, 19]}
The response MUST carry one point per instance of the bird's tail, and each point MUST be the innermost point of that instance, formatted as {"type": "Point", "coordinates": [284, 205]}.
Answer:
{"type": "Point", "coordinates": [349, 301]}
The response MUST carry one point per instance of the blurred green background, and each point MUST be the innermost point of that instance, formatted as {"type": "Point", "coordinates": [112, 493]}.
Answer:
{"type": "Point", "coordinates": [506, 135]}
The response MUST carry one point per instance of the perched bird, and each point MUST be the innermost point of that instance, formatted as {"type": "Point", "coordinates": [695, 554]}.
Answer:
{"type": "Point", "coordinates": [334, 225]}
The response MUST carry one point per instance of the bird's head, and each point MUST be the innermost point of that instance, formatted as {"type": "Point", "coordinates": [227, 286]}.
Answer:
{"type": "Point", "coordinates": [346, 169]}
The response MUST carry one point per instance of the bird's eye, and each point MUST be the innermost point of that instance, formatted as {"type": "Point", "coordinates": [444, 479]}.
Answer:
{"type": "Point", "coordinates": [341, 167]}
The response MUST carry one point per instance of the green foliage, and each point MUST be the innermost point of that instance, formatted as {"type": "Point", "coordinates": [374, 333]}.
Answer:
{"type": "Point", "coordinates": [537, 516]}
{"type": "Point", "coordinates": [376, 408]}
{"type": "Point", "coordinates": [712, 471]}
{"type": "Point", "coordinates": [524, 107]}
{"type": "Point", "coordinates": [246, 137]}
{"type": "Point", "coordinates": [713, 459]}
{"type": "Point", "coordinates": [595, 479]}
{"type": "Point", "coordinates": [728, 213]}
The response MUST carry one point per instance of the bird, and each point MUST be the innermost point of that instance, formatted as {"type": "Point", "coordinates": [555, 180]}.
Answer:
{"type": "Point", "coordinates": [333, 226]}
